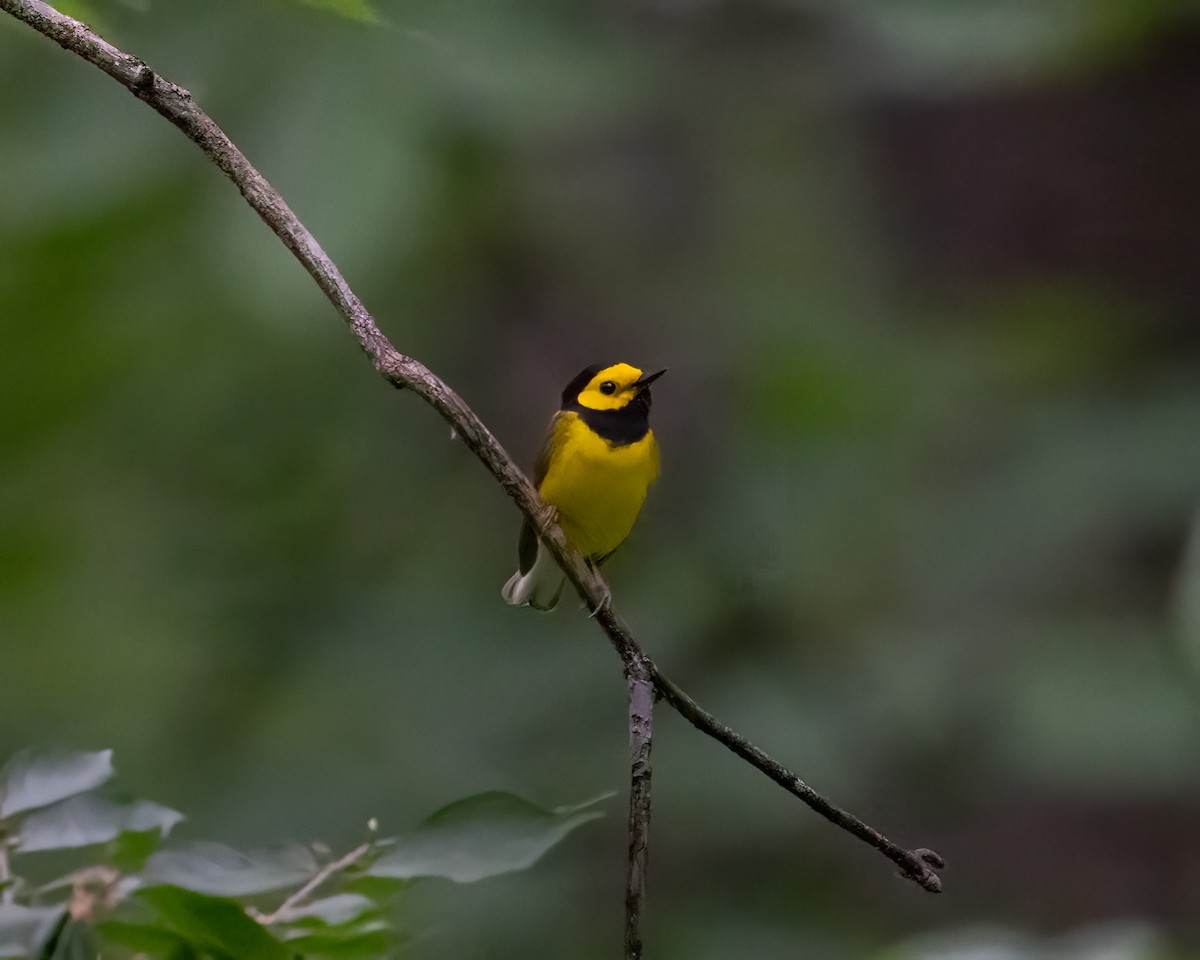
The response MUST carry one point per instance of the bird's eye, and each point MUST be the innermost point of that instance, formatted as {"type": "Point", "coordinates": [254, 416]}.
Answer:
{"type": "Point", "coordinates": [608, 387]}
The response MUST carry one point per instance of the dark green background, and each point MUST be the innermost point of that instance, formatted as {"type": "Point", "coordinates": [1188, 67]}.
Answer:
{"type": "Point", "coordinates": [924, 275]}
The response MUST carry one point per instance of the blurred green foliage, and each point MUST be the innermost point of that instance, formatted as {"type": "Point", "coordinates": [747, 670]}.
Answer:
{"type": "Point", "coordinates": [923, 273]}
{"type": "Point", "coordinates": [212, 902]}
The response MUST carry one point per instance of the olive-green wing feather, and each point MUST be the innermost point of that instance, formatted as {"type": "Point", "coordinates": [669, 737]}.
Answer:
{"type": "Point", "coordinates": [553, 439]}
{"type": "Point", "coordinates": [528, 545]}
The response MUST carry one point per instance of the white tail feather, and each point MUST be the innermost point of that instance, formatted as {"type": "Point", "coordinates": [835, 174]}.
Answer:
{"type": "Point", "coordinates": [540, 588]}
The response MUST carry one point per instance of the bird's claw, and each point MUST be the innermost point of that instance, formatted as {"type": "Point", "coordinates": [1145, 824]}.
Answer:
{"type": "Point", "coordinates": [605, 601]}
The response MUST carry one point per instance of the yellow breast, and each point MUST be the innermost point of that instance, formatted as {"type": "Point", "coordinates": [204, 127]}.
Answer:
{"type": "Point", "coordinates": [597, 488]}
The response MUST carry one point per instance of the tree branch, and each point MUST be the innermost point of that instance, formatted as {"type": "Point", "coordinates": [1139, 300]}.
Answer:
{"type": "Point", "coordinates": [285, 909]}
{"type": "Point", "coordinates": [918, 865]}
{"type": "Point", "coordinates": [176, 105]}
{"type": "Point", "coordinates": [639, 674]}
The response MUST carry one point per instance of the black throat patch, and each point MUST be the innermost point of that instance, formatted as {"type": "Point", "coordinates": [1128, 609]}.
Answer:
{"type": "Point", "coordinates": [619, 427]}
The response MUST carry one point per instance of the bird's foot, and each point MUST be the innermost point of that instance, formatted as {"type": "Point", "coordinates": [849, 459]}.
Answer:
{"type": "Point", "coordinates": [605, 601]}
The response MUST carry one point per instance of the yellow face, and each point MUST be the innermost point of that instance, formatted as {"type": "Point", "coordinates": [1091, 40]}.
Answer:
{"type": "Point", "coordinates": [610, 389]}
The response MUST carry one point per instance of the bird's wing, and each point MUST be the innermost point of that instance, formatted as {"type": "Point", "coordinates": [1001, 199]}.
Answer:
{"type": "Point", "coordinates": [527, 548]}
{"type": "Point", "coordinates": [553, 439]}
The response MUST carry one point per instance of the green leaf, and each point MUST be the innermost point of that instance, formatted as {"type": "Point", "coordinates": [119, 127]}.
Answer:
{"type": "Point", "coordinates": [23, 930]}
{"type": "Point", "coordinates": [216, 869]}
{"type": "Point", "coordinates": [346, 925]}
{"type": "Point", "coordinates": [379, 889]}
{"type": "Point", "coordinates": [480, 837]}
{"type": "Point", "coordinates": [146, 939]}
{"type": "Point", "coordinates": [214, 925]}
{"type": "Point", "coordinates": [89, 818]}
{"type": "Point", "coordinates": [132, 849]}
{"type": "Point", "coordinates": [339, 909]}
{"type": "Point", "coordinates": [31, 780]}
{"type": "Point", "coordinates": [372, 939]}
{"type": "Point", "coordinates": [75, 941]}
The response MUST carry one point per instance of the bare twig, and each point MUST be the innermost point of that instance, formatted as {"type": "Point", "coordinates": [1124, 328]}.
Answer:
{"type": "Point", "coordinates": [176, 105]}
{"type": "Point", "coordinates": [94, 893]}
{"type": "Point", "coordinates": [920, 865]}
{"type": "Point", "coordinates": [917, 865]}
{"type": "Point", "coordinates": [335, 866]}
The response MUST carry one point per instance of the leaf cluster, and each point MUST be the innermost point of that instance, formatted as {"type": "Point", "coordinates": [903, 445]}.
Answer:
{"type": "Point", "coordinates": [133, 897]}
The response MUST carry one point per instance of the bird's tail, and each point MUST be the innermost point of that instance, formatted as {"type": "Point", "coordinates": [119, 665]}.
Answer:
{"type": "Point", "coordinates": [539, 587]}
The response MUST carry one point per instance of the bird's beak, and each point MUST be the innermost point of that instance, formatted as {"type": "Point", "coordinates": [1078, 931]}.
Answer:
{"type": "Point", "coordinates": [644, 382]}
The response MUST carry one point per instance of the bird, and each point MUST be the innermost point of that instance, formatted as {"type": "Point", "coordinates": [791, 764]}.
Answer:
{"type": "Point", "coordinates": [596, 466]}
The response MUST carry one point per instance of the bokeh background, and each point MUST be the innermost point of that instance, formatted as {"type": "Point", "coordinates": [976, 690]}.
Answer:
{"type": "Point", "coordinates": [925, 276]}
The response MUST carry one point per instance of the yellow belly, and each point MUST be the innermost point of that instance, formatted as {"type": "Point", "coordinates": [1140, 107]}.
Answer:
{"type": "Point", "coordinates": [597, 488]}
